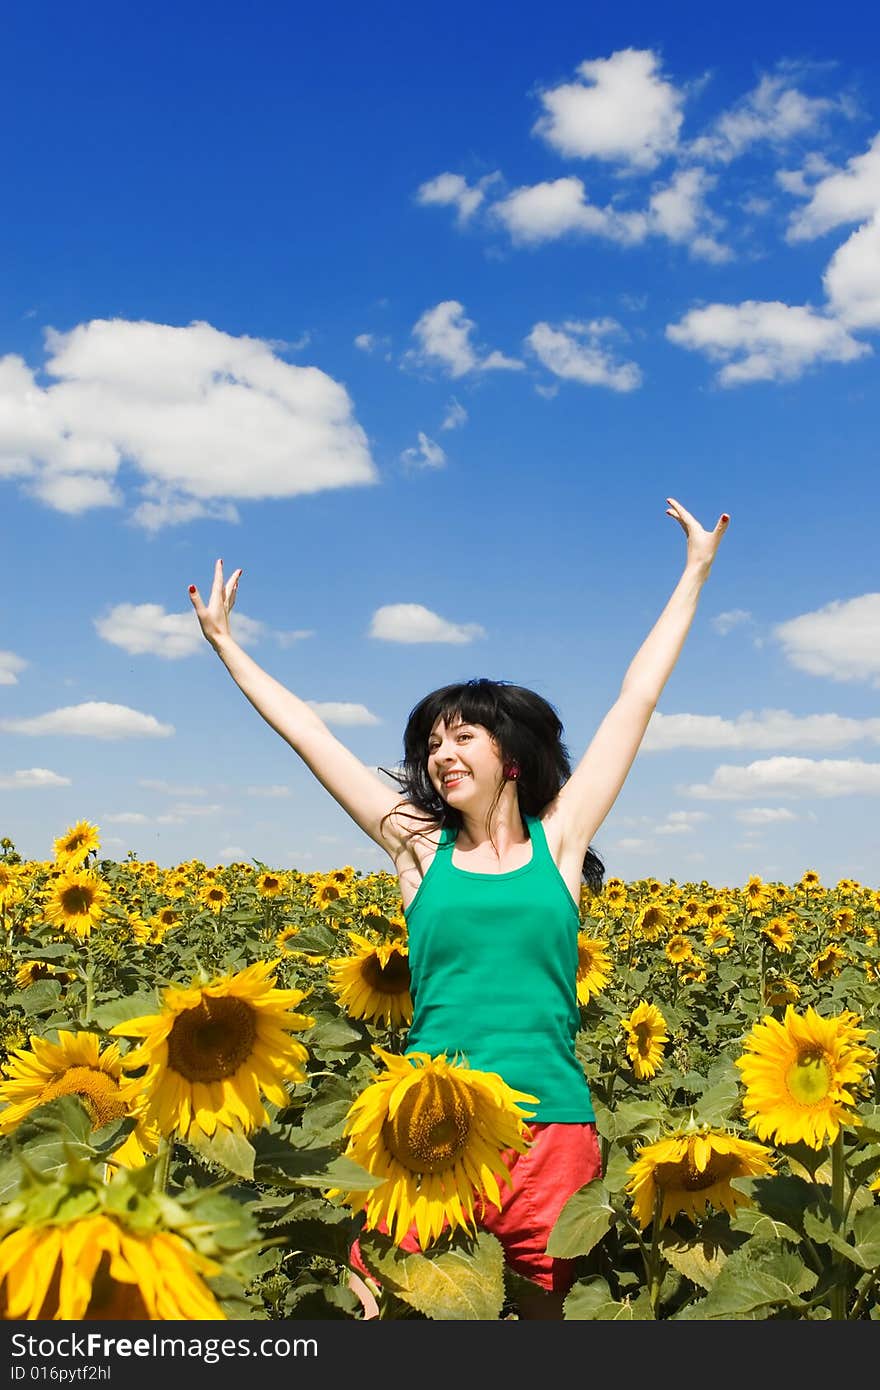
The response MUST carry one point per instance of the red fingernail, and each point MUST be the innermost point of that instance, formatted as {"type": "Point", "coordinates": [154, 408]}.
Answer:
{"type": "Point", "coordinates": [192, 588]}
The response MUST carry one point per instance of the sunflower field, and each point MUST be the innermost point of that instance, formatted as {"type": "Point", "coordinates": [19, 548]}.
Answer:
{"type": "Point", "coordinates": [207, 1108]}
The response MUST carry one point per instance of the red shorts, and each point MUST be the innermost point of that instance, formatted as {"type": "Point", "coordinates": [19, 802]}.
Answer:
{"type": "Point", "coordinates": [560, 1160]}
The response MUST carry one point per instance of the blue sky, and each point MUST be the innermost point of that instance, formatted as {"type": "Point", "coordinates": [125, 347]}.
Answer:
{"type": "Point", "coordinates": [418, 318]}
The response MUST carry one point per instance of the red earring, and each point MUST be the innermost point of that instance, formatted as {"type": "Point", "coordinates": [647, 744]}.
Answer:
{"type": "Point", "coordinates": [511, 771]}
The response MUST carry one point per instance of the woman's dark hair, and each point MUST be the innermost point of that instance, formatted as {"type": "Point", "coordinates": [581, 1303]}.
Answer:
{"type": "Point", "coordinates": [526, 728]}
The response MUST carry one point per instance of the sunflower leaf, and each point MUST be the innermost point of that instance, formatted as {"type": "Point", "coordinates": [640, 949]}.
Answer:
{"type": "Point", "coordinates": [463, 1281]}
{"type": "Point", "coordinates": [760, 1277]}
{"type": "Point", "coordinates": [280, 1161]}
{"type": "Point", "coordinates": [583, 1221]}
{"type": "Point", "coordinates": [701, 1259]}
{"type": "Point", "coordinates": [228, 1150]}
{"type": "Point", "coordinates": [125, 1007]}
{"type": "Point", "coordinates": [36, 998]}
{"type": "Point", "coordinates": [593, 1302]}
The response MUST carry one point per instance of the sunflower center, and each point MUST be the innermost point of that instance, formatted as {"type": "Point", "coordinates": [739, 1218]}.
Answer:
{"type": "Point", "coordinates": [77, 900]}
{"type": "Point", "coordinates": [98, 1092]}
{"type": "Point", "coordinates": [212, 1040]}
{"type": "Point", "coordinates": [643, 1037]}
{"type": "Point", "coordinates": [431, 1126]}
{"type": "Point", "coordinates": [809, 1078]}
{"type": "Point", "coordinates": [112, 1301]}
{"type": "Point", "coordinates": [393, 978]}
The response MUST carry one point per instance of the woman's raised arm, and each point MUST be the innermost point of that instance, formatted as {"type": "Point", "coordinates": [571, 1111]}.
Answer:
{"type": "Point", "coordinates": [590, 792]}
{"type": "Point", "coordinates": [359, 791]}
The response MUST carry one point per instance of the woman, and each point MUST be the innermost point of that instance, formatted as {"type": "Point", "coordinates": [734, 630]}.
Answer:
{"type": "Point", "coordinates": [490, 836]}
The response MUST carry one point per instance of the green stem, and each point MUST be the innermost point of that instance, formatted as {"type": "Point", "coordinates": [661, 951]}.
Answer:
{"type": "Point", "coordinates": [90, 986]}
{"type": "Point", "coordinates": [163, 1164]}
{"type": "Point", "coordinates": [838, 1287]}
{"type": "Point", "coordinates": [656, 1263]}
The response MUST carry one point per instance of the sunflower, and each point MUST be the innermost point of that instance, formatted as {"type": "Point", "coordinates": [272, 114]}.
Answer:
{"type": "Point", "coordinates": [692, 1170]}
{"type": "Point", "coordinates": [270, 885]}
{"type": "Point", "coordinates": [779, 932]}
{"type": "Point", "coordinates": [810, 881]}
{"type": "Point", "coordinates": [437, 1132]}
{"type": "Point", "coordinates": [75, 1247]}
{"type": "Point", "coordinates": [615, 895]}
{"type": "Point", "coordinates": [10, 891]}
{"type": "Point", "coordinates": [75, 1065]}
{"type": "Point", "coordinates": [326, 893]}
{"type": "Point", "coordinates": [373, 984]}
{"type": "Point", "coordinates": [593, 968]}
{"type": "Point", "coordinates": [95, 1269]}
{"type": "Point", "coordinates": [829, 962]}
{"type": "Point", "coordinates": [678, 949]}
{"type": "Point", "coordinates": [652, 921]}
{"type": "Point", "coordinates": [214, 896]}
{"type": "Point", "coordinates": [757, 894]}
{"type": "Point", "coordinates": [32, 970]}
{"type": "Point", "coordinates": [216, 1049]}
{"type": "Point", "coordinates": [719, 938]}
{"type": "Point", "coordinates": [283, 940]}
{"type": "Point", "coordinates": [646, 1035]}
{"type": "Point", "coordinates": [799, 1076]}
{"type": "Point", "coordinates": [77, 902]}
{"type": "Point", "coordinates": [779, 991]}
{"type": "Point", "coordinates": [715, 909]}
{"type": "Point", "coordinates": [76, 844]}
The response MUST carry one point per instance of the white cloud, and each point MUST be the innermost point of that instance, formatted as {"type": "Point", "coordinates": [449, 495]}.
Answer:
{"type": "Point", "coordinates": [566, 355]}
{"type": "Point", "coordinates": [184, 407]}
{"type": "Point", "coordinates": [340, 712]}
{"type": "Point", "coordinates": [771, 728]}
{"type": "Point", "coordinates": [126, 818]}
{"type": "Point", "coordinates": [10, 666]}
{"type": "Point", "coordinates": [775, 111]}
{"type": "Point", "coordinates": [411, 622]}
{"type": "Point", "coordinates": [557, 207]}
{"type": "Point", "coordinates": [790, 777]}
{"type": "Point", "coordinates": [32, 777]}
{"type": "Point", "coordinates": [560, 207]}
{"type": "Point", "coordinates": [158, 784]}
{"type": "Point", "coordinates": [731, 618]}
{"type": "Point", "coordinates": [275, 790]}
{"type": "Point", "coordinates": [284, 639]}
{"type": "Point", "coordinates": [840, 641]}
{"type": "Point", "coordinates": [681, 823]}
{"type": "Point", "coordinates": [185, 811]}
{"type": "Point", "coordinates": [429, 454]}
{"type": "Point", "coordinates": [852, 278]}
{"type": "Point", "coordinates": [455, 416]}
{"type": "Point", "coordinates": [620, 110]}
{"type": "Point", "coordinates": [161, 507]}
{"type": "Point", "coordinates": [451, 190]}
{"type": "Point", "coordinates": [764, 341]}
{"type": "Point", "coordinates": [444, 336]}
{"type": "Point", "coordinates": [94, 719]}
{"type": "Point", "coordinates": [846, 195]}
{"type": "Point", "coordinates": [678, 211]}
{"type": "Point", "coordinates": [141, 628]}
{"type": "Point", "coordinates": [764, 815]}
{"type": "Point", "coordinates": [373, 342]}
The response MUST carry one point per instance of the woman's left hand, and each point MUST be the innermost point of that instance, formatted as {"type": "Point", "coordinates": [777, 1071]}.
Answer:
{"type": "Point", "coordinates": [701, 544]}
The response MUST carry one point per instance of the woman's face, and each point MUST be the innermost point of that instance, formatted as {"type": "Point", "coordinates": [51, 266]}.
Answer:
{"type": "Point", "coordinates": [464, 761]}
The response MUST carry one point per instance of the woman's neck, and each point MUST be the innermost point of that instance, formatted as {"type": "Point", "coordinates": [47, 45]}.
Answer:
{"type": "Point", "coordinates": [507, 829]}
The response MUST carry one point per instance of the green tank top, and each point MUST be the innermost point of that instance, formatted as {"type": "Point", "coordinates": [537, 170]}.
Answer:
{"type": "Point", "coordinates": [493, 963]}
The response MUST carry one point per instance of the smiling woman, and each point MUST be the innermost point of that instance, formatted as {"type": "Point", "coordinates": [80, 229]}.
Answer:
{"type": "Point", "coordinates": [490, 834]}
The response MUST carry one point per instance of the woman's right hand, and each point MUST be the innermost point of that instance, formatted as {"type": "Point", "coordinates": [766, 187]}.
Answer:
{"type": "Point", "coordinates": [214, 616]}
